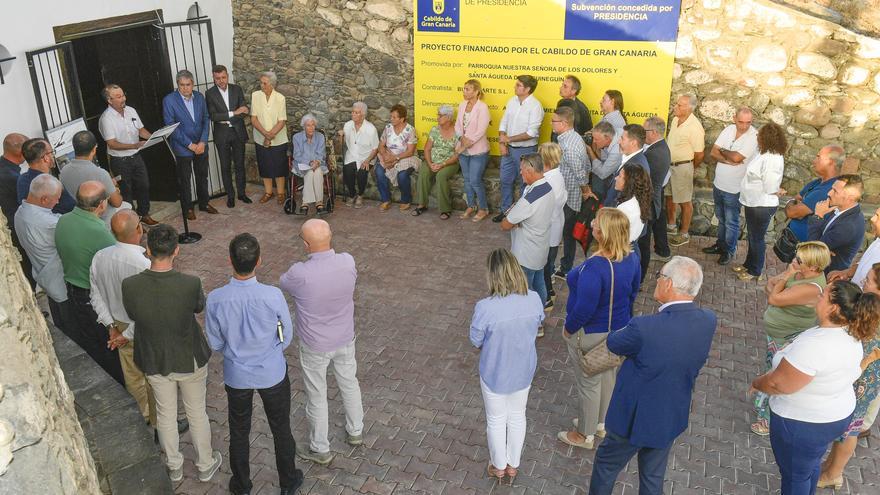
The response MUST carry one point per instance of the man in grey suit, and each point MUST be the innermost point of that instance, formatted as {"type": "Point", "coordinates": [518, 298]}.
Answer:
{"type": "Point", "coordinates": [227, 107]}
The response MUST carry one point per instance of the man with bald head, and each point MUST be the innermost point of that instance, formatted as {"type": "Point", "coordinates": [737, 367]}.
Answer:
{"type": "Point", "coordinates": [322, 289]}
{"type": "Point", "coordinates": [9, 173]}
{"type": "Point", "coordinates": [826, 165]}
{"type": "Point", "coordinates": [78, 236]}
{"type": "Point", "coordinates": [110, 266]}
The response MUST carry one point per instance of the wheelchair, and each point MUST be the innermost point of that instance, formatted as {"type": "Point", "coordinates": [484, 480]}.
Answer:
{"type": "Point", "coordinates": [294, 182]}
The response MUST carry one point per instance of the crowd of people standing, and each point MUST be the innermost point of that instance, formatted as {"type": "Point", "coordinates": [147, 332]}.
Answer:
{"type": "Point", "coordinates": [634, 374]}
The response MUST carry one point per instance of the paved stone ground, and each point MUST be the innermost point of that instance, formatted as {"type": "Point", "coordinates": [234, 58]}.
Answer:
{"type": "Point", "coordinates": [424, 428]}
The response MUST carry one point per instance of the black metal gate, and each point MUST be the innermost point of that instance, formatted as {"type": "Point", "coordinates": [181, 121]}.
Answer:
{"type": "Point", "coordinates": [56, 85]}
{"type": "Point", "coordinates": [190, 46]}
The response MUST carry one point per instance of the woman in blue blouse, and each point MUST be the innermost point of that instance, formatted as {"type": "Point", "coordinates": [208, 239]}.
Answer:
{"type": "Point", "coordinates": [309, 163]}
{"type": "Point", "coordinates": [587, 320]}
{"type": "Point", "coordinates": [504, 327]}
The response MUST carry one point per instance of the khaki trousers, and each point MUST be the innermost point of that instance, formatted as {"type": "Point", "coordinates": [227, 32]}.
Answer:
{"type": "Point", "coordinates": [594, 391]}
{"type": "Point", "coordinates": [136, 384]}
{"type": "Point", "coordinates": [192, 390]}
{"type": "Point", "coordinates": [313, 187]}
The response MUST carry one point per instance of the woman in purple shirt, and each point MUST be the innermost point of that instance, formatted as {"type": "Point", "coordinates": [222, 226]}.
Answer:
{"type": "Point", "coordinates": [504, 327]}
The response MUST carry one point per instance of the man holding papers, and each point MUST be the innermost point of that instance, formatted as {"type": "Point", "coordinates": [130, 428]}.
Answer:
{"type": "Point", "coordinates": [122, 129]}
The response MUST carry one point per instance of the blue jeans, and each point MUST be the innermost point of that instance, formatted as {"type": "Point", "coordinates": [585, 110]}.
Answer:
{"type": "Point", "coordinates": [798, 447]}
{"type": "Point", "coordinates": [613, 455]}
{"type": "Point", "coordinates": [384, 185]}
{"type": "Point", "coordinates": [510, 176]}
{"type": "Point", "coordinates": [727, 211]}
{"type": "Point", "coordinates": [472, 168]}
{"type": "Point", "coordinates": [757, 221]}
{"type": "Point", "coordinates": [535, 278]}
{"type": "Point", "coordinates": [549, 268]}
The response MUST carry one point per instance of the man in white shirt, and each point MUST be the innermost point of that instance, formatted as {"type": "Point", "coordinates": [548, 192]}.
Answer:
{"type": "Point", "coordinates": [517, 136]}
{"type": "Point", "coordinates": [122, 129]}
{"type": "Point", "coordinates": [735, 147]}
{"type": "Point", "coordinates": [35, 225]}
{"type": "Point", "coordinates": [110, 266]}
{"type": "Point", "coordinates": [361, 146]}
{"type": "Point", "coordinates": [529, 222]}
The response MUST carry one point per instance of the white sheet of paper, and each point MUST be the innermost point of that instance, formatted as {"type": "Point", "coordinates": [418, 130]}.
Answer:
{"type": "Point", "coordinates": [304, 167]}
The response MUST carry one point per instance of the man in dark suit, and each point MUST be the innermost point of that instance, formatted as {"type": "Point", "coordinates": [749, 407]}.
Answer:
{"type": "Point", "coordinates": [839, 222]}
{"type": "Point", "coordinates": [631, 142]}
{"type": "Point", "coordinates": [189, 142]}
{"type": "Point", "coordinates": [227, 108]}
{"type": "Point", "coordinates": [659, 158]}
{"type": "Point", "coordinates": [652, 396]}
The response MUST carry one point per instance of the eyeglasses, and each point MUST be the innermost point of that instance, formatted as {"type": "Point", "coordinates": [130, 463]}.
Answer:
{"type": "Point", "coordinates": [555, 121]}
{"type": "Point", "coordinates": [660, 275]}
{"type": "Point", "coordinates": [798, 259]}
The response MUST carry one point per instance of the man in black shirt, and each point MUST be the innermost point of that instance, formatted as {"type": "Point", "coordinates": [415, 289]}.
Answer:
{"type": "Point", "coordinates": [571, 87]}
{"type": "Point", "coordinates": [9, 172]}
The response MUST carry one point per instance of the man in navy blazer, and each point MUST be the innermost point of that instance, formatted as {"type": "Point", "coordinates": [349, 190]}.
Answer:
{"type": "Point", "coordinates": [631, 142]}
{"type": "Point", "coordinates": [652, 396]}
{"type": "Point", "coordinates": [189, 142]}
{"type": "Point", "coordinates": [659, 158]}
{"type": "Point", "coordinates": [839, 223]}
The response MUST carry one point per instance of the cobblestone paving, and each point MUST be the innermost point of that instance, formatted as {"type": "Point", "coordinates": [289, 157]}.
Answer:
{"type": "Point", "coordinates": [424, 428]}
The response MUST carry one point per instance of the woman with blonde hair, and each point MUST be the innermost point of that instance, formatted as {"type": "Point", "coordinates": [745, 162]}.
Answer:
{"type": "Point", "coordinates": [504, 327]}
{"type": "Point", "coordinates": [551, 155]}
{"type": "Point", "coordinates": [473, 148]}
{"type": "Point", "coordinates": [791, 308]}
{"type": "Point", "coordinates": [602, 291]}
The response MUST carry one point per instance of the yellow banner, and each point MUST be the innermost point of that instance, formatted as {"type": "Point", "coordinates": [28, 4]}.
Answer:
{"type": "Point", "coordinates": [498, 40]}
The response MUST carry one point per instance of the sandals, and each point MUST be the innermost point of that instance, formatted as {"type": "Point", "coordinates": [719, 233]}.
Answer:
{"type": "Point", "coordinates": [761, 427]}
{"type": "Point", "coordinates": [281, 198]}
{"type": "Point", "coordinates": [586, 443]}
{"type": "Point", "coordinates": [304, 210]}
{"type": "Point", "coordinates": [480, 215]}
{"type": "Point", "coordinates": [470, 211]}
{"type": "Point", "coordinates": [444, 216]}
{"type": "Point", "coordinates": [419, 210]}
{"type": "Point", "coordinates": [266, 197]}
{"type": "Point", "coordinates": [493, 472]}
{"type": "Point", "coordinates": [511, 473]}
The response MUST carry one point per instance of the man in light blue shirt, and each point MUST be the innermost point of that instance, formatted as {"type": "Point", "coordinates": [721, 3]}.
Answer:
{"type": "Point", "coordinates": [250, 324]}
{"type": "Point", "coordinates": [35, 225]}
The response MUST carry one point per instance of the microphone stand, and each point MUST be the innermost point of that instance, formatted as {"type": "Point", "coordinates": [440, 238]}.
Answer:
{"type": "Point", "coordinates": [186, 237]}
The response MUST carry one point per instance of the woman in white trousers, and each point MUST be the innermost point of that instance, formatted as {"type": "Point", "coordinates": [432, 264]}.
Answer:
{"type": "Point", "coordinates": [504, 328]}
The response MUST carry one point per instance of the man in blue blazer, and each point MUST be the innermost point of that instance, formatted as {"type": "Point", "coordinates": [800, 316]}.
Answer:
{"type": "Point", "coordinates": [189, 142]}
{"type": "Point", "coordinates": [839, 223]}
{"type": "Point", "coordinates": [652, 397]}
{"type": "Point", "coordinates": [631, 142]}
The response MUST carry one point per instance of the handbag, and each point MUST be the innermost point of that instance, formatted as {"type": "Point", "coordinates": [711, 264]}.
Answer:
{"type": "Point", "coordinates": [599, 358]}
{"type": "Point", "coordinates": [581, 230]}
{"type": "Point", "coordinates": [786, 244]}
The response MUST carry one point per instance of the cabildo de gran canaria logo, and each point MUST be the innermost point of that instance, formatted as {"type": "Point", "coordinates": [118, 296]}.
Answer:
{"type": "Point", "coordinates": [438, 15]}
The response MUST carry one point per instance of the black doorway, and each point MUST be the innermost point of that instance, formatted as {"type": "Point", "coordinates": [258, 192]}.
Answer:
{"type": "Point", "coordinates": [135, 59]}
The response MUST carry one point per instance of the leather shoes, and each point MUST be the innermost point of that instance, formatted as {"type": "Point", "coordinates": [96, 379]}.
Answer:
{"type": "Point", "coordinates": [191, 214]}
{"type": "Point", "coordinates": [245, 199]}
{"type": "Point", "coordinates": [148, 220]}
{"type": "Point", "coordinates": [209, 209]}
{"type": "Point", "coordinates": [498, 218]}
{"type": "Point", "coordinates": [725, 258]}
{"type": "Point", "coordinates": [230, 202]}
{"type": "Point", "coordinates": [298, 479]}
{"type": "Point", "coordinates": [713, 249]}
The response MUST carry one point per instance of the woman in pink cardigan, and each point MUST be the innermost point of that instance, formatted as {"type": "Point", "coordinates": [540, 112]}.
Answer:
{"type": "Point", "coordinates": [473, 148]}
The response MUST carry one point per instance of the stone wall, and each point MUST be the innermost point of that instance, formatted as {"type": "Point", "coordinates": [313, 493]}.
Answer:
{"type": "Point", "coordinates": [327, 54]}
{"type": "Point", "coordinates": [50, 452]}
{"type": "Point", "coordinates": [820, 81]}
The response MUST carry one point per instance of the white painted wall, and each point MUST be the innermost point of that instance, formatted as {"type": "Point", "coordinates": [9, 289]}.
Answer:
{"type": "Point", "coordinates": [27, 25]}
